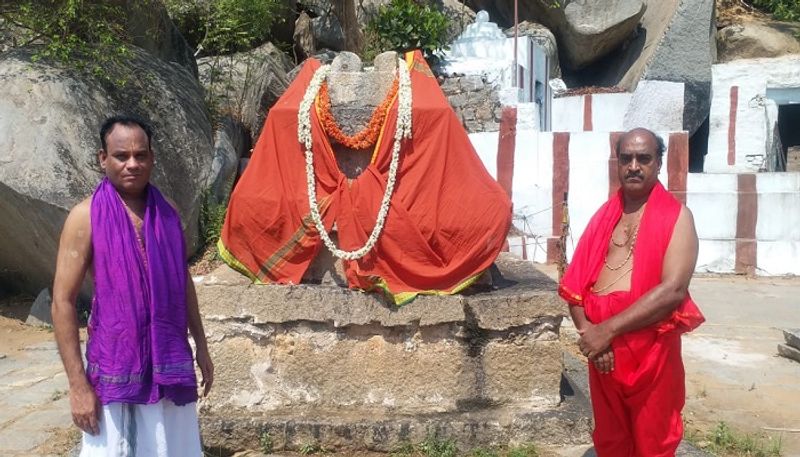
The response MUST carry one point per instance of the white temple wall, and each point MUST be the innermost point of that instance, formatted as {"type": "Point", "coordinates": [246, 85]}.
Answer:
{"type": "Point", "coordinates": [739, 125]}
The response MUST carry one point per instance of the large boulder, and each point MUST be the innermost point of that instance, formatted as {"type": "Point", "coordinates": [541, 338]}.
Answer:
{"type": "Point", "coordinates": [685, 54]}
{"type": "Point", "coordinates": [755, 39]}
{"type": "Point", "coordinates": [502, 12]}
{"type": "Point", "coordinates": [460, 16]}
{"type": "Point", "coordinates": [304, 42]}
{"type": "Point", "coordinates": [592, 28]}
{"type": "Point", "coordinates": [587, 30]}
{"type": "Point", "coordinates": [231, 143]}
{"type": "Point", "coordinates": [49, 119]}
{"type": "Point", "coordinates": [269, 82]}
{"type": "Point", "coordinates": [326, 27]}
{"type": "Point", "coordinates": [149, 26]}
{"type": "Point", "coordinates": [227, 78]}
{"type": "Point", "coordinates": [328, 31]}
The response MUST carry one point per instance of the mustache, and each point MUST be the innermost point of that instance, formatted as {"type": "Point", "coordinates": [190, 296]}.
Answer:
{"type": "Point", "coordinates": [634, 174]}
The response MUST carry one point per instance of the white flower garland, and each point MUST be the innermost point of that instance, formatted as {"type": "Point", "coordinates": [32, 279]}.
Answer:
{"type": "Point", "coordinates": [403, 130]}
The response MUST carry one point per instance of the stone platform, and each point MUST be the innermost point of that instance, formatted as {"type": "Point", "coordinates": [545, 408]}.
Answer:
{"type": "Point", "coordinates": [316, 364]}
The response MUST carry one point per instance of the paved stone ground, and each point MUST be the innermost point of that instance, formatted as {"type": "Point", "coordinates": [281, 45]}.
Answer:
{"type": "Point", "coordinates": [33, 399]}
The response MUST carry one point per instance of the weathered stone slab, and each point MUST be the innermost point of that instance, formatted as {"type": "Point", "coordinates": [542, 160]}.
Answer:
{"type": "Point", "coordinates": [792, 337]}
{"type": "Point", "coordinates": [524, 296]}
{"type": "Point", "coordinates": [40, 310]}
{"type": "Point", "coordinates": [343, 430]}
{"type": "Point", "coordinates": [526, 372]}
{"type": "Point", "coordinates": [274, 304]}
{"type": "Point", "coordinates": [789, 352]}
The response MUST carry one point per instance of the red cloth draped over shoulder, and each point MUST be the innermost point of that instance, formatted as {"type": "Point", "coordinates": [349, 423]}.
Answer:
{"type": "Point", "coordinates": [655, 233]}
{"type": "Point", "coordinates": [447, 222]}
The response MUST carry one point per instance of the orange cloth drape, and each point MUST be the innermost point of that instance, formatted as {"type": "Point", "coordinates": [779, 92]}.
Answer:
{"type": "Point", "coordinates": [447, 221]}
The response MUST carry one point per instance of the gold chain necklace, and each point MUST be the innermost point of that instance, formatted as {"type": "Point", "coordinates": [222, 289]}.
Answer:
{"type": "Point", "coordinates": [630, 253]}
{"type": "Point", "coordinates": [624, 273]}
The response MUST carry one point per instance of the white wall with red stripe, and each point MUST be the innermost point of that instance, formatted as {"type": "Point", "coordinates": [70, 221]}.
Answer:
{"type": "Point", "coordinates": [747, 223]}
{"type": "Point", "coordinates": [742, 119]}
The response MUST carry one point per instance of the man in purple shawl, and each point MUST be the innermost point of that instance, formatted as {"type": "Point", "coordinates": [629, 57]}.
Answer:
{"type": "Point", "coordinates": [137, 393]}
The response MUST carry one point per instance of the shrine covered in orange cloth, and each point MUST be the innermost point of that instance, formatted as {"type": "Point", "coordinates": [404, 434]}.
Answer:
{"type": "Point", "coordinates": [447, 221]}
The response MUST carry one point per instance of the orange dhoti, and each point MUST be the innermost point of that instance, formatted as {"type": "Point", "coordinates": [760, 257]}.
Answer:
{"type": "Point", "coordinates": [447, 221]}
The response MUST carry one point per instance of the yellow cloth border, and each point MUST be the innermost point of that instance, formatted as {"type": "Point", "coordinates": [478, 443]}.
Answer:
{"type": "Point", "coordinates": [399, 299]}
{"type": "Point", "coordinates": [403, 298]}
{"type": "Point", "coordinates": [234, 263]}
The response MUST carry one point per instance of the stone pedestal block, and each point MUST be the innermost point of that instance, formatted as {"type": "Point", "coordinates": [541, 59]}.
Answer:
{"type": "Point", "coordinates": [342, 364]}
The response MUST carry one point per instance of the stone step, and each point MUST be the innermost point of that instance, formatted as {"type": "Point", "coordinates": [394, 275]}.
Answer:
{"type": "Point", "coordinates": [343, 430]}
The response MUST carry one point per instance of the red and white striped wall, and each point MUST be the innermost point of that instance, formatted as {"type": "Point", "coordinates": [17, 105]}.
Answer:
{"type": "Point", "coordinates": [747, 222]}
{"type": "Point", "coordinates": [739, 217]}
{"type": "Point", "coordinates": [657, 105]}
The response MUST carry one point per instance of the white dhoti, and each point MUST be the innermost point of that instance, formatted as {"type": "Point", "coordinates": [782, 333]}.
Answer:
{"type": "Point", "coordinates": [162, 429]}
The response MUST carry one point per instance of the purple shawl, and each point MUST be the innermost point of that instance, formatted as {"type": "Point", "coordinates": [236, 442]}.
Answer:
{"type": "Point", "coordinates": [138, 350]}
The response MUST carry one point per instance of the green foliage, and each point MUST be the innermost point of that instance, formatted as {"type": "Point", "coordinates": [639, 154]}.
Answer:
{"type": "Point", "coordinates": [224, 26]}
{"type": "Point", "coordinates": [435, 447]}
{"type": "Point", "coordinates": [265, 440]}
{"type": "Point", "coordinates": [404, 450]}
{"type": "Point", "coordinates": [403, 25]}
{"type": "Point", "coordinates": [58, 394]}
{"type": "Point", "coordinates": [212, 217]}
{"type": "Point", "coordinates": [782, 10]}
{"type": "Point", "coordinates": [723, 440]}
{"type": "Point", "coordinates": [87, 35]}
{"type": "Point", "coordinates": [311, 448]}
{"type": "Point", "coordinates": [527, 450]}
{"type": "Point", "coordinates": [431, 447]}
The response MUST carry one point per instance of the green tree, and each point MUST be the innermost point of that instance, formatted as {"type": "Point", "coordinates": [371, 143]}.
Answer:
{"type": "Point", "coordinates": [403, 25]}
{"type": "Point", "coordinates": [783, 10]}
{"type": "Point", "coordinates": [224, 26]}
{"type": "Point", "coordinates": [86, 35]}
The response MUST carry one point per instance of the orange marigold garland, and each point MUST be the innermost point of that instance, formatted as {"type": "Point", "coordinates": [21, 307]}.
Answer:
{"type": "Point", "coordinates": [360, 140]}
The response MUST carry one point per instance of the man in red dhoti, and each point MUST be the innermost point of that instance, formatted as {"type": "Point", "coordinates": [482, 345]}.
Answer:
{"type": "Point", "coordinates": [627, 288]}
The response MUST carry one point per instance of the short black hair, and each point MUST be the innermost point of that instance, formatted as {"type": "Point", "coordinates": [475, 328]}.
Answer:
{"type": "Point", "coordinates": [660, 147]}
{"type": "Point", "coordinates": [124, 119]}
